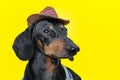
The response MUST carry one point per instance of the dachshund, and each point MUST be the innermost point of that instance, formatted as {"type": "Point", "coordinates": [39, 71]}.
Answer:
{"type": "Point", "coordinates": [44, 44]}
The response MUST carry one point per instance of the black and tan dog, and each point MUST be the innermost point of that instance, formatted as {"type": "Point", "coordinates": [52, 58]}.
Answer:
{"type": "Point", "coordinates": [44, 43]}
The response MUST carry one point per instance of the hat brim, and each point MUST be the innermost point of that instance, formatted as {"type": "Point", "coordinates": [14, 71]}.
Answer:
{"type": "Point", "coordinates": [37, 17]}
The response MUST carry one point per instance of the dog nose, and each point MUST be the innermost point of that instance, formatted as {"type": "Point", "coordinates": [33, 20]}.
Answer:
{"type": "Point", "coordinates": [74, 50]}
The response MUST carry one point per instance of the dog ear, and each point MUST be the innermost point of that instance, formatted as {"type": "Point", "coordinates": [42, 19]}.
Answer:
{"type": "Point", "coordinates": [23, 45]}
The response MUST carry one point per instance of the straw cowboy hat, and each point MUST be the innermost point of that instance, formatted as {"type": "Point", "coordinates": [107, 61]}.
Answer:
{"type": "Point", "coordinates": [47, 13]}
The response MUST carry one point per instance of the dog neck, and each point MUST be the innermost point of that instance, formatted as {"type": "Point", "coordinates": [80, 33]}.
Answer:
{"type": "Point", "coordinates": [43, 67]}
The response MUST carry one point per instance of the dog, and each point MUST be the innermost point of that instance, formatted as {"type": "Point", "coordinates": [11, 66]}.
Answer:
{"type": "Point", "coordinates": [44, 43]}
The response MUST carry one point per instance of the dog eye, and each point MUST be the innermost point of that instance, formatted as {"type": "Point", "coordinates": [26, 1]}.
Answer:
{"type": "Point", "coordinates": [64, 30]}
{"type": "Point", "coordinates": [46, 31]}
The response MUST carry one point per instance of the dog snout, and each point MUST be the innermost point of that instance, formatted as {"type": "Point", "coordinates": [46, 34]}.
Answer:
{"type": "Point", "coordinates": [71, 47]}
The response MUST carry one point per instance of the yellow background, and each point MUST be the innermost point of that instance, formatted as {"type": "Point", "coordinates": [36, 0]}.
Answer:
{"type": "Point", "coordinates": [95, 27]}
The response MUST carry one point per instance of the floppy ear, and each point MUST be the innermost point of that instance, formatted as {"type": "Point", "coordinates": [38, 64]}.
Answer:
{"type": "Point", "coordinates": [23, 45]}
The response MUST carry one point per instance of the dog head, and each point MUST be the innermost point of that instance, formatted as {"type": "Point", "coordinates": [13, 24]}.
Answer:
{"type": "Point", "coordinates": [49, 36]}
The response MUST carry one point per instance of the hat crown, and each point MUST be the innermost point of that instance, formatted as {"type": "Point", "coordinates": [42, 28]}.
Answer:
{"type": "Point", "coordinates": [49, 11]}
{"type": "Point", "coordinates": [45, 14]}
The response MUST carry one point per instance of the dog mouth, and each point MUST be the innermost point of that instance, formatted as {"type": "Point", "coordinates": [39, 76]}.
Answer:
{"type": "Point", "coordinates": [64, 56]}
{"type": "Point", "coordinates": [70, 57]}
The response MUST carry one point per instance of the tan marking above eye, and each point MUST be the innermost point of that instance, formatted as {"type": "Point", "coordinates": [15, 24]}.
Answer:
{"type": "Point", "coordinates": [61, 26]}
{"type": "Point", "coordinates": [51, 27]}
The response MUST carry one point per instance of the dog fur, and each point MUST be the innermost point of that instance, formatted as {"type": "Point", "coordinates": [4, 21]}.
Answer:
{"type": "Point", "coordinates": [44, 44]}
